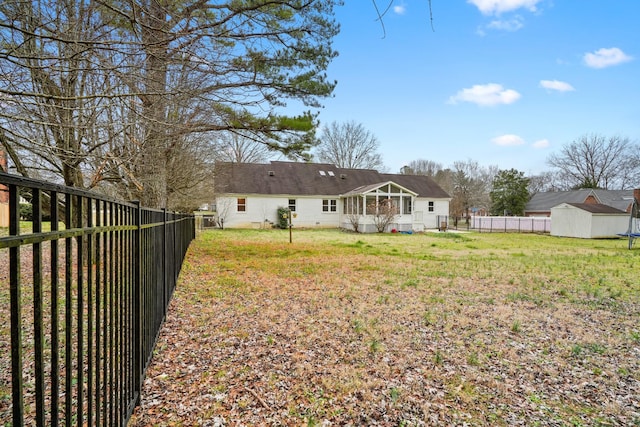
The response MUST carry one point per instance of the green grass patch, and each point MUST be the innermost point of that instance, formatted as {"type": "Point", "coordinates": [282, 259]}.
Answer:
{"type": "Point", "coordinates": [353, 329]}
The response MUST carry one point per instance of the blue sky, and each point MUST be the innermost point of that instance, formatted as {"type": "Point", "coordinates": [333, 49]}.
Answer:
{"type": "Point", "coordinates": [501, 82]}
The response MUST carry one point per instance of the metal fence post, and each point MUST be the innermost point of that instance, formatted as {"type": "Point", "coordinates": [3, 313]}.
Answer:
{"type": "Point", "coordinates": [38, 308]}
{"type": "Point", "coordinates": [137, 301]}
{"type": "Point", "coordinates": [164, 261]}
{"type": "Point", "coordinates": [16, 309]}
{"type": "Point", "coordinates": [55, 339]}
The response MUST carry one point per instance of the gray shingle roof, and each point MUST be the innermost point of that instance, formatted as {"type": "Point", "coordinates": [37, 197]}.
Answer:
{"type": "Point", "coordinates": [309, 179]}
{"type": "Point", "coordinates": [543, 202]}
{"type": "Point", "coordinates": [620, 199]}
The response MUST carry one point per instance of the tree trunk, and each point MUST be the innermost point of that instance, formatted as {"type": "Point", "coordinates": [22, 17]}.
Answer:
{"type": "Point", "coordinates": [153, 168]}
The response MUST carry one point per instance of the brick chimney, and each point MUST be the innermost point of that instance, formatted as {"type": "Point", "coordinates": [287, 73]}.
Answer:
{"type": "Point", "coordinates": [3, 161]}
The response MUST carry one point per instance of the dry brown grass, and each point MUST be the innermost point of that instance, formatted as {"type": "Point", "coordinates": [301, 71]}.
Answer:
{"type": "Point", "coordinates": [432, 329]}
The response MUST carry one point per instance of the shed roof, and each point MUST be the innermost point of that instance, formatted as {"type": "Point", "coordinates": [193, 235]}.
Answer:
{"type": "Point", "coordinates": [597, 208]}
{"type": "Point", "coordinates": [300, 179]}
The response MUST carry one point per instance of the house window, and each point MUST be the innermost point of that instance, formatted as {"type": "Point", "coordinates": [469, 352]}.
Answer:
{"type": "Point", "coordinates": [382, 206]}
{"type": "Point", "coordinates": [292, 205]}
{"type": "Point", "coordinates": [431, 207]}
{"type": "Point", "coordinates": [406, 205]}
{"type": "Point", "coordinates": [352, 206]}
{"type": "Point", "coordinates": [371, 205]}
{"type": "Point", "coordinates": [242, 204]}
{"type": "Point", "coordinates": [395, 204]}
{"type": "Point", "coordinates": [329, 205]}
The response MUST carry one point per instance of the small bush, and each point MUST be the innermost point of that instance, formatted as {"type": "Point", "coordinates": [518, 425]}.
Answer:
{"type": "Point", "coordinates": [26, 212]}
{"type": "Point", "coordinates": [283, 218]}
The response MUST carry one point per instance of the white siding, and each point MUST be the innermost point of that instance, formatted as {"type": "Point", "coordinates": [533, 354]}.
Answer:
{"type": "Point", "coordinates": [261, 212]}
{"type": "Point", "coordinates": [570, 221]}
{"type": "Point", "coordinates": [259, 208]}
{"type": "Point", "coordinates": [423, 219]}
{"type": "Point", "coordinates": [310, 213]}
{"type": "Point", "coordinates": [609, 225]}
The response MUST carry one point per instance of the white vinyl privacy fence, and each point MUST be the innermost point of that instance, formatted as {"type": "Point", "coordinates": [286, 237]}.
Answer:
{"type": "Point", "coordinates": [515, 224]}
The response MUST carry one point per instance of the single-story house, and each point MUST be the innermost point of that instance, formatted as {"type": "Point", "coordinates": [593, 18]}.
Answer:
{"type": "Point", "coordinates": [541, 203]}
{"type": "Point", "coordinates": [588, 220]}
{"type": "Point", "coordinates": [323, 195]}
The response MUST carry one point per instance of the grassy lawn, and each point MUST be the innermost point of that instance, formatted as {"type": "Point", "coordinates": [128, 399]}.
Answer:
{"type": "Point", "coordinates": [423, 329]}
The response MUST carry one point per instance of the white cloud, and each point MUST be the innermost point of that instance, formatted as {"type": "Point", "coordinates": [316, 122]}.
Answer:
{"type": "Point", "coordinates": [604, 57]}
{"type": "Point", "coordinates": [496, 7]}
{"type": "Point", "coordinates": [556, 85]}
{"type": "Point", "coordinates": [542, 143]}
{"type": "Point", "coordinates": [400, 9]}
{"type": "Point", "coordinates": [511, 25]}
{"type": "Point", "coordinates": [486, 95]}
{"type": "Point", "coordinates": [508, 140]}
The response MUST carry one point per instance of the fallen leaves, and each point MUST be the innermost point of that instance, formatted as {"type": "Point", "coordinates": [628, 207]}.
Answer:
{"type": "Point", "coordinates": [327, 342]}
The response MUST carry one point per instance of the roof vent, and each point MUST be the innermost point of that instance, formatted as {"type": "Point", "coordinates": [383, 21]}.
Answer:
{"type": "Point", "coordinates": [343, 176]}
{"type": "Point", "coordinates": [271, 173]}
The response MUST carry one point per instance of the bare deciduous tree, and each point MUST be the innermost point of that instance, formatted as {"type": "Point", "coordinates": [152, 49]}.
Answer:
{"type": "Point", "coordinates": [428, 168]}
{"type": "Point", "coordinates": [382, 213]}
{"type": "Point", "coordinates": [223, 207]}
{"type": "Point", "coordinates": [471, 184]}
{"type": "Point", "coordinates": [349, 145]}
{"type": "Point", "coordinates": [51, 91]}
{"type": "Point", "coordinates": [237, 148]}
{"type": "Point", "coordinates": [547, 181]}
{"type": "Point", "coordinates": [596, 161]}
{"type": "Point", "coordinates": [354, 220]}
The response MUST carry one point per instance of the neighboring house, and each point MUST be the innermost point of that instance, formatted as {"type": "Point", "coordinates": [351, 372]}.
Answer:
{"type": "Point", "coordinates": [541, 203]}
{"type": "Point", "coordinates": [323, 195]}
{"type": "Point", "coordinates": [588, 220]}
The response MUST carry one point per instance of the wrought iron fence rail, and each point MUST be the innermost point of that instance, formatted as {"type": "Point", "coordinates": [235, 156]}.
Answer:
{"type": "Point", "coordinates": [40, 237]}
{"type": "Point", "coordinates": [85, 303]}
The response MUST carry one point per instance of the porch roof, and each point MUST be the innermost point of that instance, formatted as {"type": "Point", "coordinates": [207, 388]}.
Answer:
{"type": "Point", "coordinates": [364, 189]}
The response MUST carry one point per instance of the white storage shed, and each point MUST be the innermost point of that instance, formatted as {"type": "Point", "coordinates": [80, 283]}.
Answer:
{"type": "Point", "coordinates": [587, 220]}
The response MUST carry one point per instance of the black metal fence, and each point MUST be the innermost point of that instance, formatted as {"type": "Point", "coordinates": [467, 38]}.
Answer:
{"type": "Point", "coordinates": [88, 284]}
